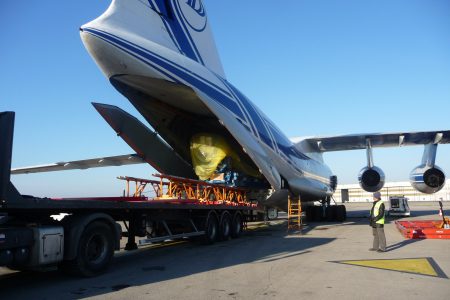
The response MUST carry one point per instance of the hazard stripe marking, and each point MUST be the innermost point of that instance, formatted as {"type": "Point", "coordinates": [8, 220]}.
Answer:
{"type": "Point", "coordinates": [421, 265]}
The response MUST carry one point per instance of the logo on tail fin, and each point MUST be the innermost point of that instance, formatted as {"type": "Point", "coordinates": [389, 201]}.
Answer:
{"type": "Point", "coordinates": [193, 13]}
{"type": "Point", "coordinates": [198, 8]}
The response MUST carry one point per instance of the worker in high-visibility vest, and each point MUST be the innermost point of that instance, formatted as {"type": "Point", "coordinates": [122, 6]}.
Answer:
{"type": "Point", "coordinates": [377, 223]}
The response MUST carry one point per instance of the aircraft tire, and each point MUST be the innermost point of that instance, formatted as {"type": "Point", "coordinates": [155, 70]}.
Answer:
{"type": "Point", "coordinates": [317, 213]}
{"type": "Point", "coordinates": [331, 213]}
{"type": "Point", "coordinates": [341, 213]}
{"type": "Point", "coordinates": [309, 213]}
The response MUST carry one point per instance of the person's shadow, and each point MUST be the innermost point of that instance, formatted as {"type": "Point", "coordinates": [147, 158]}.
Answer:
{"type": "Point", "coordinates": [401, 244]}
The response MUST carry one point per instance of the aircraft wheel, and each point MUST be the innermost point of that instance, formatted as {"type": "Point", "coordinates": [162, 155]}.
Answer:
{"type": "Point", "coordinates": [309, 213]}
{"type": "Point", "coordinates": [317, 213]}
{"type": "Point", "coordinates": [341, 213]}
{"type": "Point", "coordinates": [331, 213]}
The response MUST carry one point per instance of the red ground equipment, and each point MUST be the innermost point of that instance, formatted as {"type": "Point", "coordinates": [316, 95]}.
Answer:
{"type": "Point", "coordinates": [426, 229]}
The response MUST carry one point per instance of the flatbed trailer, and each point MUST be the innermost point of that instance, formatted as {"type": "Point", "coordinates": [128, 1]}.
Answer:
{"type": "Point", "coordinates": [84, 240]}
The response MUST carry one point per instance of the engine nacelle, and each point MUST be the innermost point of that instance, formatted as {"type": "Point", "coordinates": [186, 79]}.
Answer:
{"type": "Point", "coordinates": [371, 179]}
{"type": "Point", "coordinates": [427, 179]}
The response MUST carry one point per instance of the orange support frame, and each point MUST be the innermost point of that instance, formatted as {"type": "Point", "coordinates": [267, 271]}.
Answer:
{"type": "Point", "coordinates": [172, 187]}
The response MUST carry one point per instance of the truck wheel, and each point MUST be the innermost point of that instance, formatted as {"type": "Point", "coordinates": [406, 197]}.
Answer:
{"type": "Point", "coordinates": [95, 251]}
{"type": "Point", "coordinates": [211, 228]}
{"type": "Point", "coordinates": [236, 225]}
{"type": "Point", "coordinates": [225, 226]}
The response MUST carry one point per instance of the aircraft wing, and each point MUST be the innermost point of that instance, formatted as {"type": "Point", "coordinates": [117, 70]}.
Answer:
{"type": "Point", "coordinates": [120, 160]}
{"type": "Point", "coordinates": [360, 141]}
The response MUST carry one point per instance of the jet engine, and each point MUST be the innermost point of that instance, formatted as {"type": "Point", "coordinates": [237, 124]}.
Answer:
{"type": "Point", "coordinates": [427, 179]}
{"type": "Point", "coordinates": [371, 179]}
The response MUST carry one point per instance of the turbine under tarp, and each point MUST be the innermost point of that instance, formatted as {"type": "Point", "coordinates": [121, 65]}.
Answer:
{"type": "Point", "coordinates": [209, 150]}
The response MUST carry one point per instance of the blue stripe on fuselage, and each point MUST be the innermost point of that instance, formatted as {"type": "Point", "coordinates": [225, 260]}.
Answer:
{"type": "Point", "coordinates": [285, 145]}
{"type": "Point", "coordinates": [160, 8]}
{"type": "Point", "coordinates": [254, 115]}
{"type": "Point", "coordinates": [248, 118]}
{"type": "Point", "coordinates": [156, 67]}
{"type": "Point", "coordinates": [266, 132]}
{"type": "Point", "coordinates": [177, 30]}
{"type": "Point", "coordinates": [224, 91]}
{"type": "Point", "coordinates": [182, 32]}
{"type": "Point", "coordinates": [279, 139]}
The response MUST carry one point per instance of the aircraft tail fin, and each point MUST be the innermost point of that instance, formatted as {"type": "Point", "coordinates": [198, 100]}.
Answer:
{"type": "Point", "coordinates": [187, 25]}
{"type": "Point", "coordinates": [180, 25]}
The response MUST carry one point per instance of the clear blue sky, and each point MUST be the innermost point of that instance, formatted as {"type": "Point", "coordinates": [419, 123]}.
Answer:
{"type": "Point", "coordinates": [314, 67]}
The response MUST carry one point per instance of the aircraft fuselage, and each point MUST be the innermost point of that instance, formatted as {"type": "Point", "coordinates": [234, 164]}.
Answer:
{"type": "Point", "coordinates": [179, 94]}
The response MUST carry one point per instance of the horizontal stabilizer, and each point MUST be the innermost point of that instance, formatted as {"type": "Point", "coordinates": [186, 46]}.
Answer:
{"type": "Point", "coordinates": [359, 141]}
{"type": "Point", "coordinates": [120, 160]}
{"type": "Point", "coordinates": [145, 142]}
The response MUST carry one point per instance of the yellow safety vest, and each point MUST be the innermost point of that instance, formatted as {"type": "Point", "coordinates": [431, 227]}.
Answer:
{"type": "Point", "coordinates": [376, 211]}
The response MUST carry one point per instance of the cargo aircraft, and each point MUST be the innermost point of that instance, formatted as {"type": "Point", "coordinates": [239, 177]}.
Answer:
{"type": "Point", "coordinates": [161, 55]}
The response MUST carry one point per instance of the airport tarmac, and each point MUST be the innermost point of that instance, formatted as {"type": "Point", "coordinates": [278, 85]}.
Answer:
{"type": "Point", "coordinates": [325, 260]}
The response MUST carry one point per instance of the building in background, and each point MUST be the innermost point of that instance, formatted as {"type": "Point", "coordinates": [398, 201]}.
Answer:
{"type": "Point", "coordinates": [354, 193]}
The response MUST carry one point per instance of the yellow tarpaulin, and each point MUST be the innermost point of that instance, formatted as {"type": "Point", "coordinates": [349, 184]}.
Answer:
{"type": "Point", "coordinates": [208, 150]}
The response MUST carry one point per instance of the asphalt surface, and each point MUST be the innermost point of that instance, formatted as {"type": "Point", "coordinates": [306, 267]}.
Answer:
{"type": "Point", "coordinates": [265, 263]}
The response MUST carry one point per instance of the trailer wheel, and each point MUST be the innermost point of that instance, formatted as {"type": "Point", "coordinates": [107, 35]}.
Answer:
{"type": "Point", "coordinates": [95, 251]}
{"type": "Point", "coordinates": [225, 226]}
{"type": "Point", "coordinates": [236, 225]}
{"type": "Point", "coordinates": [211, 228]}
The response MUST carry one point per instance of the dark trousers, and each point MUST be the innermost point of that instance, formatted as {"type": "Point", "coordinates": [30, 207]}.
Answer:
{"type": "Point", "coordinates": [379, 239]}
